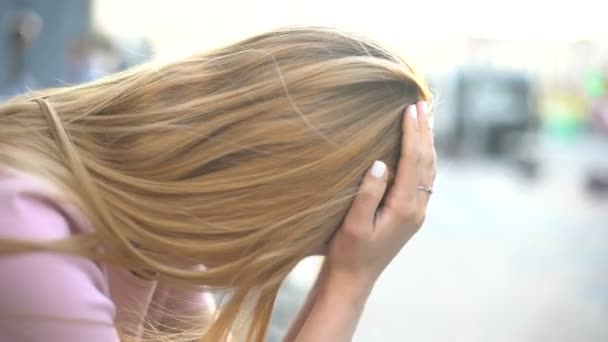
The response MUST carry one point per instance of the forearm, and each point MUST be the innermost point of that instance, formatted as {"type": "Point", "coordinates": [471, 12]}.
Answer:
{"type": "Point", "coordinates": [335, 312]}
{"type": "Point", "coordinates": [306, 309]}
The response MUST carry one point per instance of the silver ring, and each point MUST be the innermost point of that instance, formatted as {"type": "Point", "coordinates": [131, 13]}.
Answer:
{"type": "Point", "coordinates": [426, 189]}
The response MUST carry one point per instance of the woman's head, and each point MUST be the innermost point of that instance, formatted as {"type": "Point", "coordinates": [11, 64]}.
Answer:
{"type": "Point", "coordinates": [244, 159]}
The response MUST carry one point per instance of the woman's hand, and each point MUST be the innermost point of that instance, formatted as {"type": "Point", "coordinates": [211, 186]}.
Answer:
{"type": "Point", "coordinates": [371, 235]}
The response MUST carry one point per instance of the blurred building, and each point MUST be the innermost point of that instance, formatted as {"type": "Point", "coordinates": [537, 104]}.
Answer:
{"type": "Point", "coordinates": [35, 36]}
{"type": "Point", "coordinates": [53, 43]}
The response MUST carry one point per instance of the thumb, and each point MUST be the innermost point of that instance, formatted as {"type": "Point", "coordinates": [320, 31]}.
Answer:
{"type": "Point", "coordinates": [360, 218]}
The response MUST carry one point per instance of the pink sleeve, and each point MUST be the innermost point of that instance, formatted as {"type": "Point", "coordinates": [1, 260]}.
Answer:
{"type": "Point", "coordinates": [46, 296]}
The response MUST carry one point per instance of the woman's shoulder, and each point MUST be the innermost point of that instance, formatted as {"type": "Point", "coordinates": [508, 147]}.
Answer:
{"type": "Point", "coordinates": [46, 293]}
{"type": "Point", "coordinates": [28, 210]}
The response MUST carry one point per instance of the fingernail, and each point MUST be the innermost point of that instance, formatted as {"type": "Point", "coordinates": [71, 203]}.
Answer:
{"type": "Point", "coordinates": [413, 112]}
{"type": "Point", "coordinates": [378, 169]}
{"type": "Point", "coordinates": [424, 107]}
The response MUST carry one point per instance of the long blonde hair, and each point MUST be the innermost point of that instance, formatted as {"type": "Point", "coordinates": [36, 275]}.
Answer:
{"type": "Point", "coordinates": [245, 159]}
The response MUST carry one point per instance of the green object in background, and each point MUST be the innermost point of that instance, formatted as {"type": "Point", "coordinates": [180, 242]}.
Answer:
{"type": "Point", "coordinates": [563, 116]}
{"type": "Point", "coordinates": [594, 83]}
{"type": "Point", "coordinates": [564, 127]}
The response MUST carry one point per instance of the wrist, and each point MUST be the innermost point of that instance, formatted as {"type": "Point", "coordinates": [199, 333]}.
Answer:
{"type": "Point", "coordinates": [350, 287]}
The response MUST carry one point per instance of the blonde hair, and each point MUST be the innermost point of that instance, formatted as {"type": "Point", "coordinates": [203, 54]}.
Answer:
{"type": "Point", "coordinates": [245, 159]}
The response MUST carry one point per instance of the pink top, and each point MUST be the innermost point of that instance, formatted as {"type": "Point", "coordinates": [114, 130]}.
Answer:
{"type": "Point", "coordinates": [56, 297]}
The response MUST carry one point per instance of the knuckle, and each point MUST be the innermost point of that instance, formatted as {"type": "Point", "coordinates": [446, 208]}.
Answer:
{"type": "Point", "coordinates": [368, 194]}
{"type": "Point", "coordinates": [419, 155]}
{"type": "Point", "coordinates": [405, 198]}
{"type": "Point", "coordinates": [420, 219]}
{"type": "Point", "coordinates": [433, 155]}
{"type": "Point", "coordinates": [406, 211]}
{"type": "Point", "coordinates": [352, 231]}
{"type": "Point", "coordinates": [410, 151]}
{"type": "Point", "coordinates": [426, 159]}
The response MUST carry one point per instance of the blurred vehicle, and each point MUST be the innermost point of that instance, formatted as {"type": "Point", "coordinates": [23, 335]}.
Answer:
{"type": "Point", "coordinates": [597, 173]}
{"type": "Point", "coordinates": [488, 112]}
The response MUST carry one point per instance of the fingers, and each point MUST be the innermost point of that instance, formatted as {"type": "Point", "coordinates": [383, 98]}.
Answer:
{"type": "Point", "coordinates": [424, 121]}
{"type": "Point", "coordinates": [427, 145]}
{"type": "Point", "coordinates": [403, 192]}
{"type": "Point", "coordinates": [426, 164]}
{"type": "Point", "coordinates": [360, 218]}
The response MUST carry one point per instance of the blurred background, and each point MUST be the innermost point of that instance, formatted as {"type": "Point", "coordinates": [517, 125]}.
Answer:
{"type": "Point", "coordinates": [515, 244]}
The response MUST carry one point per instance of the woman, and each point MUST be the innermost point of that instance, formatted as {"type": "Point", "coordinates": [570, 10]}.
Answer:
{"type": "Point", "coordinates": [114, 194]}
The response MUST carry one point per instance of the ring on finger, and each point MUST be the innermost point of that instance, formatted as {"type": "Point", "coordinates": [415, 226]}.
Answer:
{"type": "Point", "coordinates": [427, 189]}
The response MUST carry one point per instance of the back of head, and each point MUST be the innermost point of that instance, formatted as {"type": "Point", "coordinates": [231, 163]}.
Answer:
{"type": "Point", "coordinates": [244, 159]}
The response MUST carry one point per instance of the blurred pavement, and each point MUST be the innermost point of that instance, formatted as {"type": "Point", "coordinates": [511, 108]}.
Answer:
{"type": "Point", "coordinates": [501, 258]}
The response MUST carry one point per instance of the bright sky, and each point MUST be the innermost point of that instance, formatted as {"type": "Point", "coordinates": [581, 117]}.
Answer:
{"type": "Point", "coordinates": [188, 26]}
